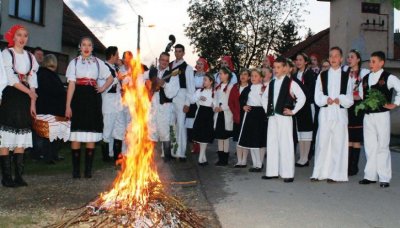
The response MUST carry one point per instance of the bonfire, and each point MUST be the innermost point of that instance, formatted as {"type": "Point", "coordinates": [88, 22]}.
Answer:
{"type": "Point", "coordinates": [137, 197]}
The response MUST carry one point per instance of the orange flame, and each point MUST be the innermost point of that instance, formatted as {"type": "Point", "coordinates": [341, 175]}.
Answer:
{"type": "Point", "coordinates": [131, 186]}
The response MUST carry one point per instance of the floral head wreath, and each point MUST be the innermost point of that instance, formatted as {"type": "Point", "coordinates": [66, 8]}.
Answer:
{"type": "Point", "coordinates": [9, 36]}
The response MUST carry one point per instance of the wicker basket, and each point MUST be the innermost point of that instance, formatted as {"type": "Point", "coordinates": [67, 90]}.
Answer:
{"type": "Point", "coordinates": [41, 127]}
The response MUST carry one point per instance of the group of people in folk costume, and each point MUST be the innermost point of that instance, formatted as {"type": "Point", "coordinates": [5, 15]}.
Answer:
{"type": "Point", "coordinates": [271, 112]}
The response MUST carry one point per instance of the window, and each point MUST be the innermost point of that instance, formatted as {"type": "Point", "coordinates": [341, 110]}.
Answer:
{"type": "Point", "coordinates": [29, 10]}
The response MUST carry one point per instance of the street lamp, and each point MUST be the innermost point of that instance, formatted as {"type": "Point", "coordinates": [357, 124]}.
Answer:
{"type": "Point", "coordinates": [140, 20]}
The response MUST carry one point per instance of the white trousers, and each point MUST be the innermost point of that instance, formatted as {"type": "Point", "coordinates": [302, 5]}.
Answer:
{"type": "Point", "coordinates": [376, 145]}
{"type": "Point", "coordinates": [159, 124]}
{"type": "Point", "coordinates": [331, 151]}
{"type": "Point", "coordinates": [280, 153]}
{"type": "Point", "coordinates": [181, 133]}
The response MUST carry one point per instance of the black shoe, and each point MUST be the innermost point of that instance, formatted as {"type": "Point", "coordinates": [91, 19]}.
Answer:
{"type": "Point", "coordinates": [220, 161]}
{"type": "Point", "coordinates": [255, 170]}
{"type": "Point", "coordinates": [269, 177]}
{"type": "Point", "coordinates": [366, 181]}
{"type": "Point", "coordinates": [76, 163]}
{"type": "Point", "coordinates": [225, 158]}
{"type": "Point", "coordinates": [182, 159]}
{"type": "Point", "coordinates": [314, 180]}
{"type": "Point", "coordinates": [167, 151]}
{"type": "Point", "coordinates": [330, 181]}
{"type": "Point", "coordinates": [203, 163]}
{"type": "Point", "coordinates": [302, 165]}
{"type": "Point", "coordinates": [237, 166]}
{"type": "Point", "coordinates": [7, 180]}
{"type": "Point", "coordinates": [89, 155]}
{"type": "Point", "coordinates": [19, 170]}
{"type": "Point", "coordinates": [288, 180]}
{"type": "Point", "coordinates": [243, 166]}
{"type": "Point", "coordinates": [384, 185]}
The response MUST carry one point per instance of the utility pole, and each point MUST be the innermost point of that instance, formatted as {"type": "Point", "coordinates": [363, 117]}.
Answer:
{"type": "Point", "coordinates": [140, 19]}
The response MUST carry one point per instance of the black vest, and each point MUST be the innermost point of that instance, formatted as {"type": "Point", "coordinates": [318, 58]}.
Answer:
{"type": "Point", "coordinates": [285, 100]}
{"type": "Point", "coordinates": [381, 85]}
{"type": "Point", "coordinates": [154, 73]}
{"type": "Point", "coordinates": [182, 75]}
{"type": "Point", "coordinates": [113, 88]}
{"type": "Point", "coordinates": [343, 83]}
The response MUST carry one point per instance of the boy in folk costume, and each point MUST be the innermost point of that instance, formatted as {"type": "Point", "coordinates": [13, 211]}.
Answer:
{"type": "Point", "coordinates": [181, 101]}
{"type": "Point", "coordinates": [111, 102]}
{"type": "Point", "coordinates": [279, 102]}
{"type": "Point", "coordinates": [334, 94]}
{"type": "Point", "coordinates": [161, 103]}
{"type": "Point", "coordinates": [377, 123]}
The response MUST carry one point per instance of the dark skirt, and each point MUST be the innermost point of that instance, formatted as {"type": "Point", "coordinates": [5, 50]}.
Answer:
{"type": "Point", "coordinates": [15, 114]}
{"type": "Point", "coordinates": [304, 119]}
{"type": "Point", "coordinates": [220, 132]}
{"type": "Point", "coordinates": [356, 135]}
{"type": "Point", "coordinates": [86, 110]}
{"type": "Point", "coordinates": [355, 124]}
{"type": "Point", "coordinates": [254, 129]}
{"type": "Point", "coordinates": [203, 127]}
{"type": "Point", "coordinates": [236, 131]}
{"type": "Point", "coordinates": [192, 111]}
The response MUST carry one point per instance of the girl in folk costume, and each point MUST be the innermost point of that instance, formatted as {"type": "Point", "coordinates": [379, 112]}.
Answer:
{"type": "Point", "coordinates": [18, 104]}
{"type": "Point", "coordinates": [268, 61]}
{"type": "Point", "coordinates": [355, 122]}
{"type": "Point", "coordinates": [377, 122]}
{"type": "Point", "coordinates": [314, 64]}
{"type": "Point", "coordinates": [305, 77]}
{"type": "Point", "coordinates": [226, 61]}
{"type": "Point", "coordinates": [334, 94]}
{"type": "Point", "coordinates": [84, 104]}
{"type": "Point", "coordinates": [236, 108]}
{"type": "Point", "coordinates": [268, 74]}
{"type": "Point", "coordinates": [199, 74]}
{"type": "Point", "coordinates": [282, 99]}
{"type": "Point", "coordinates": [253, 131]}
{"type": "Point", "coordinates": [203, 127]}
{"type": "Point", "coordinates": [223, 118]}
{"type": "Point", "coordinates": [123, 116]}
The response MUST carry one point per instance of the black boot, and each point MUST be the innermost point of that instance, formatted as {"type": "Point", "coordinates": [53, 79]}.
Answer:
{"type": "Point", "coordinates": [76, 163]}
{"type": "Point", "coordinates": [89, 155]}
{"type": "Point", "coordinates": [167, 151]}
{"type": "Point", "coordinates": [7, 180]}
{"type": "Point", "coordinates": [226, 158]}
{"type": "Point", "coordinates": [355, 159]}
{"type": "Point", "coordinates": [117, 149]}
{"type": "Point", "coordinates": [104, 151]}
{"type": "Point", "coordinates": [19, 170]}
{"type": "Point", "coordinates": [220, 161]}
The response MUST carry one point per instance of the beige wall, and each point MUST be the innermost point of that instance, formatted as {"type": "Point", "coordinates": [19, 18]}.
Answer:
{"type": "Point", "coordinates": [47, 36]}
{"type": "Point", "coordinates": [348, 32]}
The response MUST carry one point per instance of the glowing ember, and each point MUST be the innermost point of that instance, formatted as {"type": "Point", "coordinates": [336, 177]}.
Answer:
{"type": "Point", "coordinates": [132, 183]}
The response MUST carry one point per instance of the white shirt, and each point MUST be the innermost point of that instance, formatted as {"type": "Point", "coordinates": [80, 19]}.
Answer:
{"type": "Point", "coordinates": [79, 68]}
{"type": "Point", "coordinates": [190, 87]}
{"type": "Point", "coordinates": [255, 95]}
{"type": "Point", "coordinates": [334, 112]}
{"type": "Point", "coordinates": [22, 65]}
{"type": "Point", "coordinates": [208, 94]}
{"type": "Point", "coordinates": [392, 83]}
{"type": "Point", "coordinates": [295, 90]}
{"type": "Point", "coordinates": [101, 82]}
{"type": "Point", "coordinates": [3, 76]}
{"type": "Point", "coordinates": [300, 75]}
{"type": "Point", "coordinates": [241, 88]}
{"type": "Point", "coordinates": [198, 80]}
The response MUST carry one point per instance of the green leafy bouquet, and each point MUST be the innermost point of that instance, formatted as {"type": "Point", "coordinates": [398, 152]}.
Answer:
{"type": "Point", "coordinates": [374, 100]}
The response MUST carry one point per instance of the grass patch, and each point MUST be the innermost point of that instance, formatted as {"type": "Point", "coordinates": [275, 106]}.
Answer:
{"type": "Point", "coordinates": [39, 167]}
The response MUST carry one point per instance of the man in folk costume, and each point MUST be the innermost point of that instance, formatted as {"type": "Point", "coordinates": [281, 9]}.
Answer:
{"type": "Point", "coordinates": [377, 123]}
{"type": "Point", "coordinates": [111, 105]}
{"type": "Point", "coordinates": [164, 90]}
{"type": "Point", "coordinates": [182, 100]}
{"type": "Point", "coordinates": [333, 94]}
{"type": "Point", "coordinates": [282, 99]}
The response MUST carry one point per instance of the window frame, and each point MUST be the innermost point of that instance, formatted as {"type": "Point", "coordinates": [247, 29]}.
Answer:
{"type": "Point", "coordinates": [15, 14]}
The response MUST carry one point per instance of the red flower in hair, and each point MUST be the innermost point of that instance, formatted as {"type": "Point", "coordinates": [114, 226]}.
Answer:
{"type": "Point", "coordinates": [228, 59]}
{"type": "Point", "coordinates": [205, 63]}
{"type": "Point", "coordinates": [9, 36]}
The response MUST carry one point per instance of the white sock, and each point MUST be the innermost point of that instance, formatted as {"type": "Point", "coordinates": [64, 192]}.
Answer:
{"type": "Point", "coordinates": [257, 159]}
{"type": "Point", "coordinates": [304, 148]}
{"type": "Point", "coordinates": [244, 158]}
{"type": "Point", "coordinates": [111, 148]}
{"type": "Point", "coordinates": [220, 145]}
{"type": "Point", "coordinates": [262, 154]}
{"type": "Point", "coordinates": [226, 146]}
{"type": "Point", "coordinates": [239, 153]}
{"type": "Point", "coordinates": [162, 149]}
{"type": "Point", "coordinates": [202, 156]}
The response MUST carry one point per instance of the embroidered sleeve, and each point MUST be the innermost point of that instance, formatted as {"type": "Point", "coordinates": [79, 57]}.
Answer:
{"type": "Point", "coordinates": [71, 71]}
{"type": "Point", "coordinates": [8, 68]}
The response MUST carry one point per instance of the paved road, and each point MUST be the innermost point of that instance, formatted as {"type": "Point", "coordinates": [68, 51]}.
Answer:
{"type": "Point", "coordinates": [242, 199]}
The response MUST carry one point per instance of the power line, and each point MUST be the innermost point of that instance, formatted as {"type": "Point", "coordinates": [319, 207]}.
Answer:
{"type": "Point", "coordinates": [111, 26]}
{"type": "Point", "coordinates": [133, 9]}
